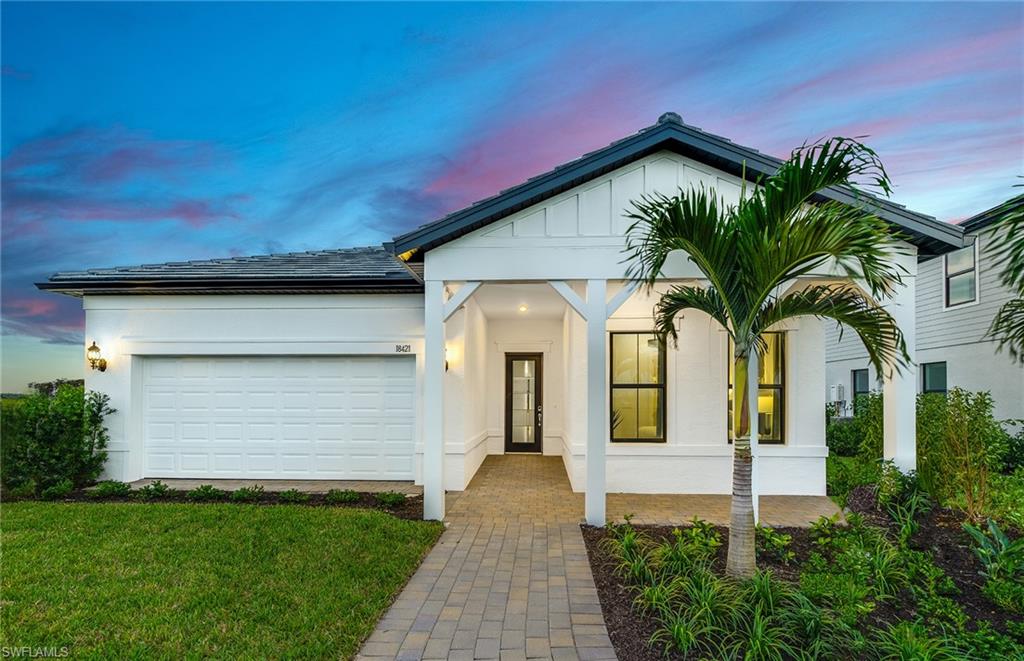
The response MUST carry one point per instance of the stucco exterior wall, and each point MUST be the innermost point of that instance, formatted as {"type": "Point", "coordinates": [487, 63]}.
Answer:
{"type": "Point", "coordinates": [129, 328]}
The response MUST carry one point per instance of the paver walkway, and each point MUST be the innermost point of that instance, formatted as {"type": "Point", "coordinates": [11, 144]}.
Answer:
{"type": "Point", "coordinates": [510, 579]}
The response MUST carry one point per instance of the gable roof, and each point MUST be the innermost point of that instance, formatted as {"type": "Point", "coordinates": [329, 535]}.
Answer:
{"type": "Point", "coordinates": [981, 221]}
{"type": "Point", "coordinates": [349, 270]}
{"type": "Point", "coordinates": [931, 236]}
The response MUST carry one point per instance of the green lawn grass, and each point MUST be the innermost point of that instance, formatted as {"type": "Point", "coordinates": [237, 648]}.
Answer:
{"type": "Point", "coordinates": [175, 581]}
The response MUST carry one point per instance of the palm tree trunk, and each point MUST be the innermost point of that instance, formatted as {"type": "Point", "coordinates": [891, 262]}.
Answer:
{"type": "Point", "coordinates": [740, 562]}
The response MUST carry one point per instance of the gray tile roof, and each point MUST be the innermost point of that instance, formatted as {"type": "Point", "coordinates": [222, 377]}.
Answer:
{"type": "Point", "coordinates": [670, 132]}
{"type": "Point", "coordinates": [369, 268]}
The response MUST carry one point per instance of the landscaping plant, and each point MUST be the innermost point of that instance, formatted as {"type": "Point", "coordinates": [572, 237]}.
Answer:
{"type": "Point", "coordinates": [342, 496]}
{"type": "Point", "coordinates": [155, 489]}
{"type": "Point", "coordinates": [50, 439]}
{"type": "Point", "coordinates": [391, 499]}
{"type": "Point", "coordinates": [247, 494]}
{"type": "Point", "coordinates": [293, 496]}
{"type": "Point", "coordinates": [206, 493]}
{"type": "Point", "coordinates": [111, 489]}
{"type": "Point", "coordinates": [751, 253]}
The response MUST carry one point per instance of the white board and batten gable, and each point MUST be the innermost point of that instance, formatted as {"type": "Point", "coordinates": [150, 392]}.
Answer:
{"type": "Point", "coordinates": [579, 233]}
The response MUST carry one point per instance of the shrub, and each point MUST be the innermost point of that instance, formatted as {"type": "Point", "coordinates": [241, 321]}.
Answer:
{"type": "Point", "coordinates": [772, 544]}
{"type": "Point", "coordinates": [155, 489]}
{"type": "Point", "coordinates": [50, 439]}
{"type": "Point", "coordinates": [1006, 498]}
{"type": "Point", "coordinates": [111, 489]}
{"type": "Point", "coordinates": [205, 493]}
{"type": "Point", "coordinates": [342, 496]}
{"type": "Point", "coordinates": [247, 494]}
{"type": "Point", "coordinates": [293, 496]}
{"type": "Point", "coordinates": [959, 445]}
{"type": "Point", "coordinates": [391, 499]}
{"type": "Point", "coordinates": [843, 436]}
{"type": "Point", "coordinates": [57, 491]}
{"type": "Point", "coordinates": [26, 489]}
{"type": "Point", "coordinates": [1013, 457]}
{"type": "Point", "coordinates": [870, 425]}
{"type": "Point", "coordinates": [844, 474]}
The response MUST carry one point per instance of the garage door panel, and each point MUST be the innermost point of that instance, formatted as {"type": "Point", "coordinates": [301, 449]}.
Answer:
{"type": "Point", "coordinates": [323, 417]}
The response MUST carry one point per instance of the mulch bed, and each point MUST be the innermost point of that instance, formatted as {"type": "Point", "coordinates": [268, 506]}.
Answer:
{"type": "Point", "coordinates": [940, 532]}
{"type": "Point", "coordinates": [411, 509]}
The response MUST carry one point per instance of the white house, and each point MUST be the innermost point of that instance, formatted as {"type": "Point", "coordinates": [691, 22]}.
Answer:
{"type": "Point", "coordinates": [958, 294]}
{"type": "Point", "coordinates": [504, 327]}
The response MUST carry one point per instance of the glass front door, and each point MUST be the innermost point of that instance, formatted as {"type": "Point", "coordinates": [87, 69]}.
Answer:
{"type": "Point", "coordinates": [524, 410]}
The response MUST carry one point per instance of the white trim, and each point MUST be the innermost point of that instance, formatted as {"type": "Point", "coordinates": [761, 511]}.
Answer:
{"type": "Point", "coordinates": [977, 280]}
{"type": "Point", "coordinates": [453, 304]}
{"type": "Point", "coordinates": [621, 297]}
{"type": "Point", "coordinates": [570, 296]}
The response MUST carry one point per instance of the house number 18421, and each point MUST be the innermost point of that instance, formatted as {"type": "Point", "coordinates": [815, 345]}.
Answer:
{"type": "Point", "coordinates": [403, 348]}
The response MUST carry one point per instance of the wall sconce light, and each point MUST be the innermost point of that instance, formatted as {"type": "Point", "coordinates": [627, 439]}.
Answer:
{"type": "Point", "coordinates": [446, 359]}
{"type": "Point", "coordinates": [95, 360]}
{"type": "Point", "coordinates": [523, 308]}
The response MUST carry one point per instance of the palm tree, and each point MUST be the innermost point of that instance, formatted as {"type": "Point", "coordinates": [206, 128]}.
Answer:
{"type": "Point", "coordinates": [751, 255]}
{"type": "Point", "coordinates": [1008, 325]}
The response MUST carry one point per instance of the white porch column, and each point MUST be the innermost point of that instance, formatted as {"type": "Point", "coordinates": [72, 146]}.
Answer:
{"type": "Point", "coordinates": [433, 401]}
{"type": "Point", "coordinates": [597, 401]}
{"type": "Point", "coordinates": [899, 390]}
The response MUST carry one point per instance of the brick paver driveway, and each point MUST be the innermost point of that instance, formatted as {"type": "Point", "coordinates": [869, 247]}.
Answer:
{"type": "Point", "coordinates": [509, 578]}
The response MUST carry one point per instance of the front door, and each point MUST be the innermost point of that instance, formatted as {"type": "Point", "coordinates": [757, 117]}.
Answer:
{"type": "Point", "coordinates": [524, 410]}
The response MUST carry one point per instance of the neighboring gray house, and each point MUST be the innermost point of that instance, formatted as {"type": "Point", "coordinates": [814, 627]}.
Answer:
{"type": "Point", "coordinates": [958, 294]}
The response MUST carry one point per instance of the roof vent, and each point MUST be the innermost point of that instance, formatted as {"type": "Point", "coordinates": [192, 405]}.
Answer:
{"type": "Point", "coordinates": [670, 118]}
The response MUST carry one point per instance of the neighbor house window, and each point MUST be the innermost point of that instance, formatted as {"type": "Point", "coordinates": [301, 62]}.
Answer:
{"type": "Point", "coordinates": [860, 385]}
{"type": "Point", "coordinates": [638, 387]}
{"type": "Point", "coordinates": [961, 276]}
{"type": "Point", "coordinates": [771, 394]}
{"type": "Point", "coordinates": [933, 377]}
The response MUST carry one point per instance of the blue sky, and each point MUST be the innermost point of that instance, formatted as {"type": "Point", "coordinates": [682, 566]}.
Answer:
{"type": "Point", "coordinates": [136, 133]}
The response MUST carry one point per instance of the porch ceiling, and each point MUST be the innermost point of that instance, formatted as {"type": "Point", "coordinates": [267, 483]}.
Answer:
{"type": "Point", "coordinates": [502, 301]}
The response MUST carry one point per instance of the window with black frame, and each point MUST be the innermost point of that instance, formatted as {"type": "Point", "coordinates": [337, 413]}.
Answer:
{"type": "Point", "coordinates": [961, 277]}
{"type": "Point", "coordinates": [771, 394]}
{"type": "Point", "coordinates": [637, 388]}
{"type": "Point", "coordinates": [860, 385]}
{"type": "Point", "coordinates": [933, 378]}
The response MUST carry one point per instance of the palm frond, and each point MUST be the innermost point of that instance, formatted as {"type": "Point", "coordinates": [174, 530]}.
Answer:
{"type": "Point", "coordinates": [1008, 328]}
{"type": "Point", "coordinates": [1008, 246]}
{"type": "Point", "coordinates": [853, 310]}
{"type": "Point", "coordinates": [811, 168]}
{"type": "Point", "coordinates": [694, 222]}
{"type": "Point", "coordinates": [681, 298]}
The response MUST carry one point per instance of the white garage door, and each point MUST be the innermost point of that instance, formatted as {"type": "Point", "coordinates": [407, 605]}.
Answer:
{"type": "Point", "coordinates": [330, 417]}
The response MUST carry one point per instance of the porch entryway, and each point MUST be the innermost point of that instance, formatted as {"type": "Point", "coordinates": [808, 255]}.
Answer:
{"type": "Point", "coordinates": [531, 488]}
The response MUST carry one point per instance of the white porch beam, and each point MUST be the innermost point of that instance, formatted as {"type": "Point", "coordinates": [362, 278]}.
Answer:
{"type": "Point", "coordinates": [597, 400]}
{"type": "Point", "coordinates": [573, 299]}
{"type": "Point", "coordinates": [453, 304]}
{"type": "Point", "coordinates": [433, 400]}
{"type": "Point", "coordinates": [621, 297]}
{"type": "Point", "coordinates": [899, 389]}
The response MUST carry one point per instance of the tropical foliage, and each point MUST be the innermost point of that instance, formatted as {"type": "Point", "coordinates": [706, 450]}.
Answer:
{"type": "Point", "coordinates": [1008, 325]}
{"type": "Point", "coordinates": [752, 255]}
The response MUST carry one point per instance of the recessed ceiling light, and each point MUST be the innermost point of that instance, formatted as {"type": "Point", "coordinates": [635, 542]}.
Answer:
{"type": "Point", "coordinates": [523, 308]}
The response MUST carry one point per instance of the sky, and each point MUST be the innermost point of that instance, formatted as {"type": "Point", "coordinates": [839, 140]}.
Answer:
{"type": "Point", "coordinates": [139, 133]}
